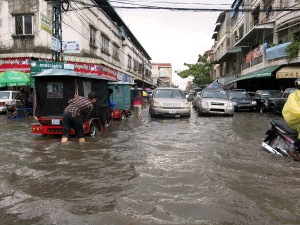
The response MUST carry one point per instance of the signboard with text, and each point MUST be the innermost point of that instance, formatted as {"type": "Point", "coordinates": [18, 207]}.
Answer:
{"type": "Point", "coordinates": [40, 66]}
{"type": "Point", "coordinates": [46, 24]}
{"type": "Point", "coordinates": [71, 47]}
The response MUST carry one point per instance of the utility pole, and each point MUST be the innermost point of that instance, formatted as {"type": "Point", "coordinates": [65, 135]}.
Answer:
{"type": "Point", "coordinates": [58, 6]}
{"type": "Point", "coordinates": [56, 30]}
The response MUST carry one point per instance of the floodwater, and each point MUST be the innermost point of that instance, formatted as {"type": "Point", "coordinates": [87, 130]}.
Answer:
{"type": "Point", "coordinates": [185, 171]}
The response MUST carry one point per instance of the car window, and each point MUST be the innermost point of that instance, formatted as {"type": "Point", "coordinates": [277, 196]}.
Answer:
{"type": "Point", "coordinates": [275, 94]}
{"type": "Point", "coordinates": [4, 95]}
{"type": "Point", "coordinates": [239, 94]}
{"type": "Point", "coordinates": [168, 93]}
{"type": "Point", "coordinates": [215, 94]}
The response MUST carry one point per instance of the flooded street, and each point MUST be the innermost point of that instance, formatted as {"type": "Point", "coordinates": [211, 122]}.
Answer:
{"type": "Point", "coordinates": [198, 170]}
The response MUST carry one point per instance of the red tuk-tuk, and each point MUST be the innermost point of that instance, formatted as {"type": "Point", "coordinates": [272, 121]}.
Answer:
{"type": "Point", "coordinates": [53, 89]}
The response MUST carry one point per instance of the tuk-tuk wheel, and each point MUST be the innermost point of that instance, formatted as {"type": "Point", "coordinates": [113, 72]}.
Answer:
{"type": "Point", "coordinates": [123, 116]}
{"type": "Point", "coordinates": [94, 130]}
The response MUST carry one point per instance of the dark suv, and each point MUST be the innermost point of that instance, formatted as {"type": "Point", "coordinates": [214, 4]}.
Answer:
{"type": "Point", "coordinates": [276, 104]}
{"type": "Point", "coordinates": [242, 100]}
{"type": "Point", "coordinates": [262, 96]}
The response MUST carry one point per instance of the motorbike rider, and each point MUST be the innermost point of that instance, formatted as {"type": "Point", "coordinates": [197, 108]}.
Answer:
{"type": "Point", "coordinates": [291, 115]}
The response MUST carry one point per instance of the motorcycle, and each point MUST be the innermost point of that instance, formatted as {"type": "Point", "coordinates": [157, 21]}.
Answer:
{"type": "Point", "coordinates": [279, 138]}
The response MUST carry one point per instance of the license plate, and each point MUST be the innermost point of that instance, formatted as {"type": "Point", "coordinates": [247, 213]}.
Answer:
{"type": "Point", "coordinates": [55, 122]}
{"type": "Point", "coordinates": [172, 111]}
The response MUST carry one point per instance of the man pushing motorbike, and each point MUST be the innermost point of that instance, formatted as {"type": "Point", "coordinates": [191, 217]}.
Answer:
{"type": "Point", "coordinates": [291, 115]}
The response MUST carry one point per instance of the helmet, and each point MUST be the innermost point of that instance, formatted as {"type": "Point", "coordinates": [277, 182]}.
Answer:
{"type": "Point", "coordinates": [297, 83]}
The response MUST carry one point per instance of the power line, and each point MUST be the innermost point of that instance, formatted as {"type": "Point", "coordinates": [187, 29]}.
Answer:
{"type": "Point", "coordinates": [197, 9]}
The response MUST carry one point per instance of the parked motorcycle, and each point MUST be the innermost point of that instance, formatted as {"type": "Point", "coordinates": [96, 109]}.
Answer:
{"type": "Point", "coordinates": [279, 137]}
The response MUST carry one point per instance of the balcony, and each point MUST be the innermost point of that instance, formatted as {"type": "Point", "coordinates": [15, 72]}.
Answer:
{"type": "Point", "coordinates": [253, 62]}
{"type": "Point", "coordinates": [259, 30]}
{"type": "Point", "coordinates": [277, 51]}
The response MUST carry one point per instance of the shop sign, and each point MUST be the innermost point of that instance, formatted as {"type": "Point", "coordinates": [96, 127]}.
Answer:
{"type": "Point", "coordinates": [108, 73]}
{"type": "Point", "coordinates": [71, 47]}
{"type": "Point", "coordinates": [124, 77]}
{"type": "Point", "coordinates": [96, 69]}
{"type": "Point", "coordinates": [18, 64]}
{"type": "Point", "coordinates": [46, 24]}
{"type": "Point", "coordinates": [39, 66]}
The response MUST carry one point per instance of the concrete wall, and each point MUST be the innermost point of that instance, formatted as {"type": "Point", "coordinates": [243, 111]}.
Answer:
{"type": "Point", "coordinates": [76, 25]}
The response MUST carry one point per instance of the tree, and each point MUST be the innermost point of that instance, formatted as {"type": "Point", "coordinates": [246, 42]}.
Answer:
{"type": "Point", "coordinates": [200, 71]}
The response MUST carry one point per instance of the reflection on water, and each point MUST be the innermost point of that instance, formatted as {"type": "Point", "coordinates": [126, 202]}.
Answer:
{"type": "Point", "coordinates": [198, 170]}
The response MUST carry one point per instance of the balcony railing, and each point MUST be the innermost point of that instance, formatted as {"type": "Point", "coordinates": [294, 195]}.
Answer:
{"type": "Point", "coordinates": [277, 51]}
{"type": "Point", "coordinates": [224, 80]}
{"type": "Point", "coordinates": [253, 62]}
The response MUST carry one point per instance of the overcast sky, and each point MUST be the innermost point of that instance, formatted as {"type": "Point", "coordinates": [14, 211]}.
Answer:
{"type": "Point", "coordinates": [175, 37]}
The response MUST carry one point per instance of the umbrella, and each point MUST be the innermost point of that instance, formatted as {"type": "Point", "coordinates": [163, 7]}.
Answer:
{"type": "Point", "coordinates": [14, 78]}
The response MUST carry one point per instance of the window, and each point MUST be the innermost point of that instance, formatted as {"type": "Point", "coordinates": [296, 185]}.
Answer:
{"type": "Point", "coordinates": [55, 89]}
{"type": "Point", "coordinates": [135, 65]}
{"type": "Point", "coordinates": [115, 51]}
{"type": "Point", "coordinates": [93, 32]}
{"type": "Point", "coordinates": [129, 63]}
{"type": "Point", "coordinates": [23, 25]}
{"type": "Point", "coordinates": [105, 44]}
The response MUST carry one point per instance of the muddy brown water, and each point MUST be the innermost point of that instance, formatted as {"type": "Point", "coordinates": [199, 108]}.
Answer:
{"type": "Point", "coordinates": [198, 170]}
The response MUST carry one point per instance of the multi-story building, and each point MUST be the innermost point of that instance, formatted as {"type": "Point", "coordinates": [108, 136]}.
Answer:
{"type": "Point", "coordinates": [162, 74]}
{"type": "Point", "coordinates": [250, 49]}
{"type": "Point", "coordinates": [94, 38]}
{"type": "Point", "coordinates": [209, 55]}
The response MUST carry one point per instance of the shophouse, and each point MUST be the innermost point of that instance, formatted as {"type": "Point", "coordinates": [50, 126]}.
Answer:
{"type": "Point", "coordinates": [258, 52]}
{"type": "Point", "coordinates": [94, 39]}
{"type": "Point", "coordinates": [162, 74]}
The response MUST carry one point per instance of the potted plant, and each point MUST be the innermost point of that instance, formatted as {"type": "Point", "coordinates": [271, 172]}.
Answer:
{"type": "Point", "coordinates": [292, 50]}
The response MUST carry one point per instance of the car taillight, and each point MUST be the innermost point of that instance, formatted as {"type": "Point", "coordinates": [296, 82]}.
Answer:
{"type": "Point", "coordinates": [2, 103]}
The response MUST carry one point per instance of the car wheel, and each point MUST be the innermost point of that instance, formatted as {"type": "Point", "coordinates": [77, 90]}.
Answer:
{"type": "Point", "coordinates": [94, 130]}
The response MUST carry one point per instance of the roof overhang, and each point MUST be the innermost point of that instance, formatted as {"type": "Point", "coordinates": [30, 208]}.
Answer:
{"type": "Point", "coordinates": [229, 54]}
{"type": "Point", "coordinates": [256, 31]}
{"type": "Point", "coordinates": [266, 72]}
{"type": "Point", "coordinates": [214, 35]}
{"type": "Point", "coordinates": [221, 17]}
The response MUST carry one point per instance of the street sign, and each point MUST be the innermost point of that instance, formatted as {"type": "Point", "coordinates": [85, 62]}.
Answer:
{"type": "Point", "coordinates": [55, 44]}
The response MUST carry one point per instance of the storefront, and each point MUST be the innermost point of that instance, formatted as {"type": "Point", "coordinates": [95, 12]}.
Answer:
{"type": "Point", "coordinates": [84, 65]}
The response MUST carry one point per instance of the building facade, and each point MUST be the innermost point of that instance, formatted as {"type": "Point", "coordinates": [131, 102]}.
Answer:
{"type": "Point", "coordinates": [95, 39]}
{"type": "Point", "coordinates": [252, 44]}
{"type": "Point", "coordinates": [162, 74]}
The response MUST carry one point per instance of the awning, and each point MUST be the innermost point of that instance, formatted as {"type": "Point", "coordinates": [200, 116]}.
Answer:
{"type": "Point", "coordinates": [266, 72]}
{"type": "Point", "coordinates": [254, 33]}
{"type": "Point", "coordinates": [228, 55]}
{"type": "Point", "coordinates": [288, 72]}
{"type": "Point", "coordinates": [64, 72]}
